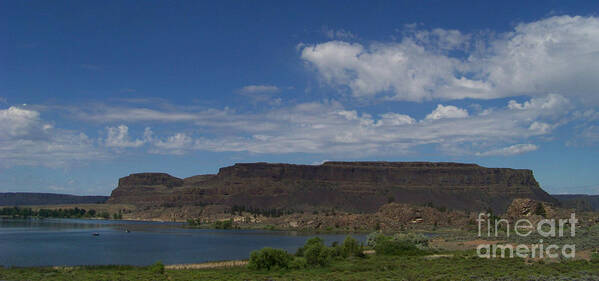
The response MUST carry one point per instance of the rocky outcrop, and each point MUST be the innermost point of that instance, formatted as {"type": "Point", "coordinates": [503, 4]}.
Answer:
{"type": "Point", "coordinates": [527, 208]}
{"type": "Point", "coordinates": [348, 186]}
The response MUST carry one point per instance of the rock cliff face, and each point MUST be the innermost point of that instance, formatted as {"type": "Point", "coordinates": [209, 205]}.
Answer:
{"type": "Point", "coordinates": [347, 186]}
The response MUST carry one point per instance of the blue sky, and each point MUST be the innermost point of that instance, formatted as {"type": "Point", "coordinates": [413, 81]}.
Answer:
{"type": "Point", "coordinates": [93, 91]}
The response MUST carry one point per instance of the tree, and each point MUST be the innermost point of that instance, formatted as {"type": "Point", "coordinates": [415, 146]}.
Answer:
{"type": "Point", "coordinates": [351, 247]}
{"type": "Point", "coordinates": [540, 210]}
{"type": "Point", "coordinates": [268, 258]}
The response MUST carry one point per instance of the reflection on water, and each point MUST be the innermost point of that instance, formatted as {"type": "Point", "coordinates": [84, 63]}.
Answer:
{"type": "Point", "coordinates": [36, 242]}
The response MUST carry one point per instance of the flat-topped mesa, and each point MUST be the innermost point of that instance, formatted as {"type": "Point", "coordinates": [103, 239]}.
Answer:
{"type": "Point", "coordinates": [403, 164]}
{"type": "Point", "coordinates": [349, 186]}
{"type": "Point", "coordinates": [150, 179]}
{"type": "Point", "coordinates": [425, 174]}
{"type": "Point", "coordinates": [145, 188]}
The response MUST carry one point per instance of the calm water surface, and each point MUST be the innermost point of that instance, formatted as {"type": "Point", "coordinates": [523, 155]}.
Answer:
{"type": "Point", "coordinates": [70, 242]}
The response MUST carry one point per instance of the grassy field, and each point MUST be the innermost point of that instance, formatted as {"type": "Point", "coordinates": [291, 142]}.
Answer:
{"type": "Point", "coordinates": [462, 266]}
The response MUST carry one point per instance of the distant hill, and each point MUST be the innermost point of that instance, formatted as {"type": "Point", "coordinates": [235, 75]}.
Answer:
{"type": "Point", "coordinates": [31, 198]}
{"type": "Point", "coordinates": [580, 202]}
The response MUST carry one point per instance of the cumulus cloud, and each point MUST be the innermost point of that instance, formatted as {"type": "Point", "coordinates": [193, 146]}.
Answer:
{"type": "Point", "coordinates": [394, 119]}
{"type": "Point", "coordinates": [447, 111]}
{"type": "Point", "coordinates": [510, 150]}
{"type": "Point", "coordinates": [554, 55]}
{"type": "Point", "coordinates": [119, 137]}
{"type": "Point", "coordinates": [326, 128]}
{"type": "Point", "coordinates": [26, 139]}
{"type": "Point", "coordinates": [330, 128]}
{"type": "Point", "coordinates": [175, 144]}
{"type": "Point", "coordinates": [404, 69]}
{"type": "Point", "coordinates": [20, 122]}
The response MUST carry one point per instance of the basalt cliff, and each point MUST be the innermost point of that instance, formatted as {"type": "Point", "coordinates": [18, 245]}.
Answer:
{"type": "Point", "coordinates": [356, 187]}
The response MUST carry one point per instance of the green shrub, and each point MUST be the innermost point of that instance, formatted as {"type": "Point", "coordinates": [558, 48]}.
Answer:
{"type": "Point", "coordinates": [309, 242]}
{"type": "Point", "coordinates": [157, 268]}
{"type": "Point", "coordinates": [595, 258]}
{"type": "Point", "coordinates": [105, 215]}
{"type": "Point", "coordinates": [318, 255]}
{"type": "Point", "coordinates": [540, 210]}
{"type": "Point", "coordinates": [419, 240]}
{"type": "Point", "coordinates": [386, 245]}
{"type": "Point", "coordinates": [298, 263]}
{"type": "Point", "coordinates": [351, 247]}
{"type": "Point", "coordinates": [371, 239]}
{"type": "Point", "coordinates": [226, 224]}
{"type": "Point", "coordinates": [269, 258]}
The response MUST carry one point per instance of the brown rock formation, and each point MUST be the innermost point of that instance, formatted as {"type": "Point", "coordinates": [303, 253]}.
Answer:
{"type": "Point", "coordinates": [347, 186]}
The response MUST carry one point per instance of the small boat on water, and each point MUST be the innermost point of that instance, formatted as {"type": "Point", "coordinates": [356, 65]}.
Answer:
{"type": "Point", "coordinates": [127, 230]}
{"type": "Point", "coordinates": [96, 234]}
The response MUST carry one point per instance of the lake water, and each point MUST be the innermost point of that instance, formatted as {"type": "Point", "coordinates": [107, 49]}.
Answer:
{"type": "Point", "coordinates": [70, 242]}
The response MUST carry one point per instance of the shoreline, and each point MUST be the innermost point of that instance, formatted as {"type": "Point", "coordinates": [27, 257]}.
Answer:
{"type": "Point", "coordinates": [206, 226]}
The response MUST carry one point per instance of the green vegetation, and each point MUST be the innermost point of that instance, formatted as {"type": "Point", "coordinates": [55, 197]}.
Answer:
{"type": "Point", "coordinates": [269, 258]}
{"type": "Point", "coordinates": [198, 223]}
{"type": "Point", "coordinates": [313, 254]}
{"type": "Point", "coordinates": [272, 212]}
{"type": "Point", "coordinates": [316, 253]}
{"type": "Point", "coordinates": [104, 215]}
{"type": "Point", "coordinates": [351, 248]}
{"type": "Point", "coordinates": [595, 257]}
{"type": "Point", "coordinates": [226, 224]}
{"type": "Point", "coordinates": [540, 210]}
{"type": "Point", "coordinates": [463, 266]}
{"type": "Point", "coordinates": [18, 212]}
{"type": "Point", "coordinates": [401, 245]}
{"type": "Point", "coordinates": [157, 268]}
{"type": "Point", "coordinates": [117, 216]}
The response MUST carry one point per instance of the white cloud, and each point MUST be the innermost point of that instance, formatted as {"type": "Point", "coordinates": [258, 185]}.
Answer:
{"type": "Point", "coordinates": [447, 111]}
{"type": "Point", "coordinates": [25, 139]}
{"type": "Point", "coordinates": [119, 137]}
{"type": "Point", "coordinates": [262, 94]}
{"type": "Point", "coordinates": [548, 103]}
{"type": "Point", "coordinates": [540, 127]}
{"type": "Point", "coordinates": [112, 114]}
{"type": "Point", "coordinates": [338, 34]}
{"type": "Point", "coordinates": [176, 144]}
{"type": "Point", "coordinates": [554, 55]}
{"type": "Point", "coordinates": [330, 128]}
{"type": "Point", "coordinates": [401, 69]}
{"type": "Point", "coordinates": [510, 150]}
{"type": "Point", "coordinates": [250, 89]}
{"type": "Point", "coordinates": [587, 136]}
{"type": "Point", "coordinates": [327, 128]}
{"type": "Point", "coordinates": [20, 122]}
{"type": "Point", "coordinates": [394, 119]}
